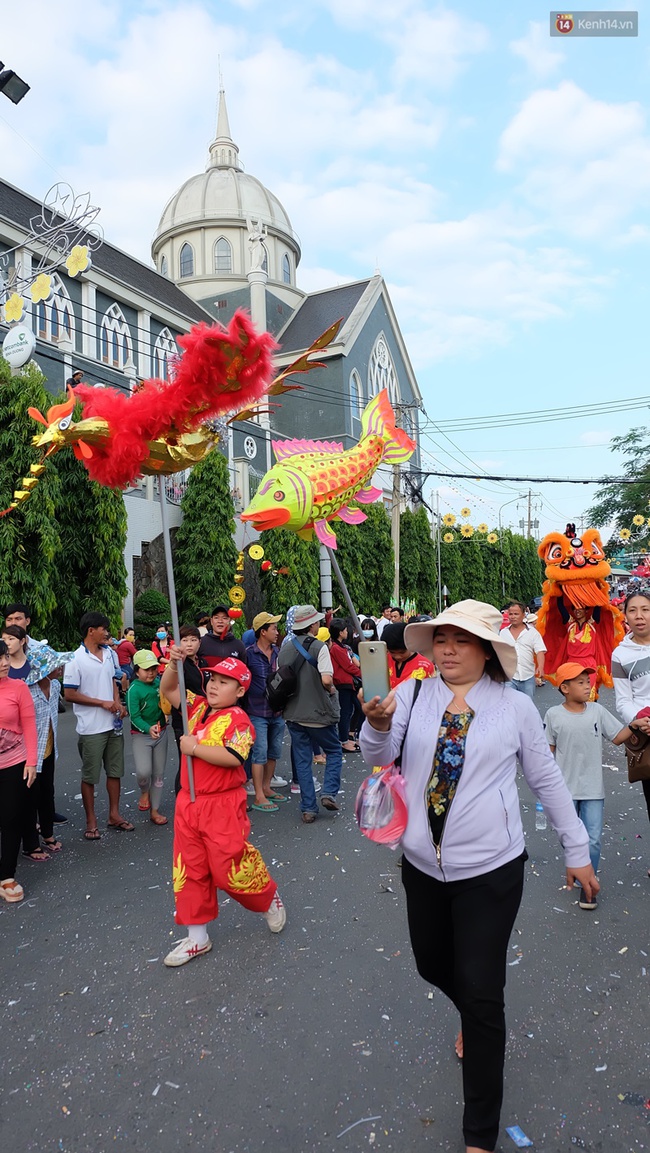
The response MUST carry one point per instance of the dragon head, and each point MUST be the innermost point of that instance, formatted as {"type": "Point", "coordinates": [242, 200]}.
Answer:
{"type": "Point", "coordinates": [59, 428]}
{"type": "Point", "coordinates": [574, 558]}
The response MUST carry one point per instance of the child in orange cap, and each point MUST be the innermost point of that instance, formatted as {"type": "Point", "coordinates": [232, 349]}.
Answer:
{"type": "Point", "coordinates": [211, 850]}
{"type": "Point", "coordinates": [575, 731]}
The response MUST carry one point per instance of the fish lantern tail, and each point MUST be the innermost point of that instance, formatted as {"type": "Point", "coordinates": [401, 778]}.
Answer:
{"type": "Point", "coordinates": [379, 420]}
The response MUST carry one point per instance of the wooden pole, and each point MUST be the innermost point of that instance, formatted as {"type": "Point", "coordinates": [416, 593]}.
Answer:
{"type": "Point", "coordinates": [175, 625]}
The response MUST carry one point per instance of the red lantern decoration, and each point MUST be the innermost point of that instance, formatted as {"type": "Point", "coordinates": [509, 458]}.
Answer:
{"type": "Point", "coordinates": [235, 614]}
{"type": "Point", "coordinates": [266, 566]}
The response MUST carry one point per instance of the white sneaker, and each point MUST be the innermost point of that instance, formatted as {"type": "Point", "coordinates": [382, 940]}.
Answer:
{"type": "Point", "coordinates": [278, 782]}
{"type": "Point", "coordinates": [250, 788]}
{"type": "Point", "coordinates": [317, 785]}
{"type": "Point", "coordinates": [276, 915]}
{"type": "Point", "coordinates": [185, 951]}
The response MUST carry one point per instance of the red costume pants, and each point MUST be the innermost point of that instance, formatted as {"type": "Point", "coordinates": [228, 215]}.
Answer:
{"type": "Point", "coordinates": [211, 852]}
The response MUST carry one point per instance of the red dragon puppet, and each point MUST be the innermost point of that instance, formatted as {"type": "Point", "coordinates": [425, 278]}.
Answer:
{"type": "Point", "coordinates": [165, 426]}
{"type": "Point", "coordinates": [576, 618]}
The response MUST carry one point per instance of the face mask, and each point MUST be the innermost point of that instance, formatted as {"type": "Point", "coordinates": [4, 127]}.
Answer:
{"type": "Point", "coordinates": [368, 633]}
{"type": "Point", "coordinates": [161, 634]}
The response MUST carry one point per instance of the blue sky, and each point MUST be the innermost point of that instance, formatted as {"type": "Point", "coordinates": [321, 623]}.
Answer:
{"type": "Point", "coordinates": [498, 178]}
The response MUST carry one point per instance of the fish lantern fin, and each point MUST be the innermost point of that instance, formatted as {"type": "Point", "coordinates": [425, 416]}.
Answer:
{"type": "Point", "coordinates": [305, 533]}
{"type": "Point", "coordinates": [368, 495]}
{"type": "Point", "coordinates": [287, 448]}
{"type": "Point", "coordinates": [351, 515]}
{"type": "Point", "coordinates": [325, 534]}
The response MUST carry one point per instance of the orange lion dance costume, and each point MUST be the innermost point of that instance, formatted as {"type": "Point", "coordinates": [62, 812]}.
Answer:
{"type": "Point", "coordinates": [576, 618]}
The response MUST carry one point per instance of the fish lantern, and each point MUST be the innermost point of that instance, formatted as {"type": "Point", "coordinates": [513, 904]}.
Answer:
{"type": "Point", "coordinates": [235, 614]}
{"type": "Point", "coordinates": [315, 482]}
{"type": "Point", "coordinates": [266, 566]}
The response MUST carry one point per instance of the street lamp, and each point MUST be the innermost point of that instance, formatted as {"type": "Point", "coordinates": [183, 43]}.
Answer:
{"type": "Point", "coordinates": [13, 87]}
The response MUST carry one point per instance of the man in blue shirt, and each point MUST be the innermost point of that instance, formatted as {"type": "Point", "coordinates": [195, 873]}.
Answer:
{"type": "Point", "coordinates": [262, 659]}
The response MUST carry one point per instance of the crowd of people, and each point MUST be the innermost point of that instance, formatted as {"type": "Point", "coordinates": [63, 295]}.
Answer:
{"type": "Point", "coordinates": [450, 716]}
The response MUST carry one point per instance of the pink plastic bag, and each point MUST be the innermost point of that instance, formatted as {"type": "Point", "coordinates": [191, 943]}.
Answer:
{"type": "Point", "coordinates": [380, 807]}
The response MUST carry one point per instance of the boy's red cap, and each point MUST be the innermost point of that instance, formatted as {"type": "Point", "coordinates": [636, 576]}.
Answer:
{"type": "Point", "coordinates": [570, 670]}
{"type": "Point", "coordinates": [228, 667]}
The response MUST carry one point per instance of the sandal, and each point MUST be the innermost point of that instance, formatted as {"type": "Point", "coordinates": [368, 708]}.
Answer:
{"type": "Point", "coordinates": [37, 855]}
{"type": "Point", "coordinates": [275, 797]}
{"type": "Point", "coordinates": [52, 845]}
{"type": "Point", "coordinates": [144, 808]}
{"type": "Point", "coordinates": [92, 835]}
{"type": "Point", "coordinates": [11, 891]}
{"type": "Point", "coordinates": [269, 807]}
{"type": "Point", "coordinates": [121, 826]}
{"type": "Point", "coordinates": [158, 819]}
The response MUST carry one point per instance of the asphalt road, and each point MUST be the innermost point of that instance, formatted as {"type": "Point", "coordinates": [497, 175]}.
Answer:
{"type": "Point", "coordinates": [283, 1043]}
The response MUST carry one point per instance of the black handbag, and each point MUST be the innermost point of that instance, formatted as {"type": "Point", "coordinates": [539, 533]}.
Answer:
{"type": "Point", "coordinates": [637, 751]}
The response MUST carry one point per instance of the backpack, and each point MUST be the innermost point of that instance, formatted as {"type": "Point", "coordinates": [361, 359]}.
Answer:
{"type": "Point", "coordinates": [283, 683]}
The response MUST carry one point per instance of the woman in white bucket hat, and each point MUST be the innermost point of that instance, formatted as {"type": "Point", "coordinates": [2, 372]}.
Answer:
{"type": "Point", "coordinates": [464, 852]}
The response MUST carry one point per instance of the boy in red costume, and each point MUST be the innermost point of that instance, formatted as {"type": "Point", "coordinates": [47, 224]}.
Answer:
{"type": "Point", "coordinates": [211, 850]}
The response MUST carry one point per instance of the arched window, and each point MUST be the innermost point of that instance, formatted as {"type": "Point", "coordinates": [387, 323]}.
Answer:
{"type": "Point", "coordinates": [116, 343]}
{"type": "Point", "coordinates": [164, 347]}
{"type": "Point", "coordinates": [187, 261]}
{"type": "Point", "coordinates": [265, 262]}
{"type": "Point", "coordinates": [55, 317]}
{"type": "Point", "coordinates": [222, 255]}
{"type": "Point", "coordinates": [381, 371]}
{"type": "Point", "coordinates": [164, 269]}
{"type": "Point", "coordinates": [356, 395]}
{"type": "Point", "coordinates": [286, 269]}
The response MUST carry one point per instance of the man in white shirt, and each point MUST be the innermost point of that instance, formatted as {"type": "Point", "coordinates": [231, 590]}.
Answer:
{"type": "Point", "coordinates": [91, 683]}
{"type": "Point", "coordinates": [530, 650]}
{"type": "Point", "coordinates": [384, 619]}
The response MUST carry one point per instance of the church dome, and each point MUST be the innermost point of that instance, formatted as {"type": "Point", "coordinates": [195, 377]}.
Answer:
{"type": "Point", "coordinates": [225, 194]}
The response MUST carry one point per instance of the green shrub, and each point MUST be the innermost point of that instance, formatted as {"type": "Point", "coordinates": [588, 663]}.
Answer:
{"type": "Point", "coordinates": [150, 610]}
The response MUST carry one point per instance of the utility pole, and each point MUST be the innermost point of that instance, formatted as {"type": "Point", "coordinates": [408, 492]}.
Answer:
{"type": "Point", "coordinates": [394, 527]}
{"type": "Point", "coordinates": [439, 557]}
{"type": "Point", "coordinates": [528, 526]}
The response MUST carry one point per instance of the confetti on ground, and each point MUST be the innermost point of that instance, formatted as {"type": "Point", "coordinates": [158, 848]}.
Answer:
{"type": "Point", "coordinates": [361, 1121]}
{"type": "Point", "coordinates": [518, 1136]}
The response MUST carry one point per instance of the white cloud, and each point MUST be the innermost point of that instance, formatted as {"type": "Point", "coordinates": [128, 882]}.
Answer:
{"type": "Point", "coordinates": [431, 47]}
{"type": "Point", "coordinates": [584, 163]}
{"type": "Point", "coordinates": [535, 50]}
{"type": "Point", "coordinates": [595, 437]}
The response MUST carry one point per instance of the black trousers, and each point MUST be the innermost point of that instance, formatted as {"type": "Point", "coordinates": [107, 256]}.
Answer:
{"type": "Point", "coordinates": [459, 935]}
{"type": "Point", "coordinates": [41, 804]}
{"type": "Point", "coordinates": [14, 814]}
{"type": "Point", "coordinates": [646, 793]}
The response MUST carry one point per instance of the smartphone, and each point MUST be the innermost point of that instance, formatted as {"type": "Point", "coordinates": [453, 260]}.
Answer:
{"type": "Point", "coordinates": [373, 656]}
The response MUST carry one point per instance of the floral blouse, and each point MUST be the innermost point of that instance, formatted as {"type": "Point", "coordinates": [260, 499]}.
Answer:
{"type": "Point", "coordinates": [447, 767]}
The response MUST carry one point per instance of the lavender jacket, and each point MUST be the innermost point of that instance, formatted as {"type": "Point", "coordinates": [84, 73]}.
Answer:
{"type": "Point", "coordinates": [483, 827]}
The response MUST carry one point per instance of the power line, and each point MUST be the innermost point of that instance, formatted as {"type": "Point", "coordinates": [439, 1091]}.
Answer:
{"type": "Point", "coordinates": [535, 479]}
{"type": "Point", "coordinates": [544, 415]}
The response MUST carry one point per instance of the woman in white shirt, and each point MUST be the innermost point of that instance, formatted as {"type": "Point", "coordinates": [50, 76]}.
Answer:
{"type": "Point", "coordinates": [631, 668]}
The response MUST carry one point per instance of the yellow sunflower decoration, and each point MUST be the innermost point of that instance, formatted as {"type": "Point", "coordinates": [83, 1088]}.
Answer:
{"type": "Point", "coordinates": [648, 520]}
{"type": "Point", "coordinates": [79, 260]}
{"type": "Point", "coordinates": [41, 289]}
{"type": "Point", "coordinates": [638, 520]}
{"type": "Point", "coordinates": [482, 528]}
{"type": "Point", "coordinates": [14, 307]}
{"type": "Point", "coordinates": [466, 530]}
{"type": "Point", "coordinates": [465, 512]}
{"type": "Point", "coordinates": [492, 538]}
{"type": "Point", "coordinates": [449, 519]}
{"type": "Point", "coordinates": [625, 534]}
{"type": "Point", "coordinates": [448, 538]}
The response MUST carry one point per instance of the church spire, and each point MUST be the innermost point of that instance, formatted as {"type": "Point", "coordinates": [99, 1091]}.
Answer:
{"type": "Point", "coordinates": [224, 153]}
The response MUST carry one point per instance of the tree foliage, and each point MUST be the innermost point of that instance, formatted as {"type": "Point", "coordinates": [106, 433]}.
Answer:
{"type": "Point", "coordinates": [417, 560]}
{"type": "Point", "coordinates": [301, 585]}
{"type": "Point", "coordinates": [508, 569]}
{"type": "Point", "coordinates": [365, 557]}
{"type": "Point", "coordinates": [205, 555]}
{"type": "Point", "coordinates": [63, 549]}
{"type": "Point", "coordinates": [30, 542]}
{"type": "Point", "coordinates": [620, 503]}
{"type": "Point", "coordinates": [150, 610]}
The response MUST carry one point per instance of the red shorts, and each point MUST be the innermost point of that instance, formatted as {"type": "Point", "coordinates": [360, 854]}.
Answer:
{"type": "Point", "coordinates": [211, 852]}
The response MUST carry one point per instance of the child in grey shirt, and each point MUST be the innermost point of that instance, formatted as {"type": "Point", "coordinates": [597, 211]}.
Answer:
{"type": "Point", "coordinates": [575, 731]}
